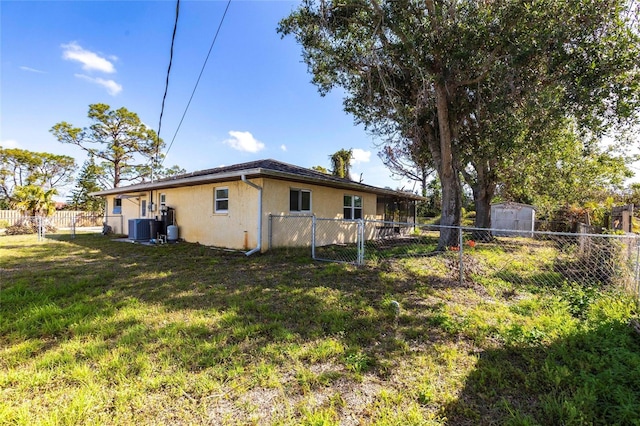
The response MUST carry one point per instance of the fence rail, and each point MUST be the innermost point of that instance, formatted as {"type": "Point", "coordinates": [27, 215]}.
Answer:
{"type": "Point", "coordinates": [60, 219]}
{"type": "Point", "coordinates": [497, 257]}
{"type": "Point", "coordinates": [67, 224]}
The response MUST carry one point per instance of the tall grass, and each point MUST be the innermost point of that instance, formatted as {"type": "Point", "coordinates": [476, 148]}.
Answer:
{"type": "Point", "coordinates": [98, 332]}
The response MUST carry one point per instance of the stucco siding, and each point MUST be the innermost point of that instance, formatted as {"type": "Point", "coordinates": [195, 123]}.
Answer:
{"type": "Point", "coordinates": [198, 221]}
{"type": "Point", "coordinates": [130, 209]}
{"type": "Point", "coordinates": [326, 203]}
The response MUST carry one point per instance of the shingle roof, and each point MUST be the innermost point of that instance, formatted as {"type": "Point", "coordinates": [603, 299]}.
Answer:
{"type": "Point", "coordinates": [264, 165]}
{"type": "Point", "coordinates": [260, 168]}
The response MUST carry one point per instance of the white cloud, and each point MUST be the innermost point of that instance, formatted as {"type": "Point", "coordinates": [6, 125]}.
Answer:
{"type": "Point", "coordinates": [23, 68]}
{"type": "Point", "coordinates": [360, 156]}
{"type": "Point", "coordinates": [90, 60]}
{"type": "Point", "coordinates": [244, 141]}
{"type": "Point", "coordinates": [112, 87]}
{"type": "Point", "coordinates": [283, 147]}
{"type": "Point", "coordinates": [9, 143]}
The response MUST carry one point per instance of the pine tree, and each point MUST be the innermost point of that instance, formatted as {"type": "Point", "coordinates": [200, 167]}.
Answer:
{"type": "Point", "coordinates": [86, 183]}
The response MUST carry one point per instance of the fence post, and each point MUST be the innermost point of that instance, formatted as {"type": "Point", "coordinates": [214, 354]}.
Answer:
{"type": "Point", "coordinates": [461, 252]}
{"type": "Point", "coordinates": [73, 226]}
{"type": "Point", "coordinates": [360, 242]}
{"type": "Point", "coordinates": [313, 237]}
{"type": "Point", "coordinates": [637, 277]}
{"type": "Point", "coordinates": [40, 228]}
{"type": "Point", "coordinates": [270, 230]}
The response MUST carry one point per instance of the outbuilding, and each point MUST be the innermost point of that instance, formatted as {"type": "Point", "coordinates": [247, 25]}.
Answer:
{"type": "Point", "coordinates": [512, 217]}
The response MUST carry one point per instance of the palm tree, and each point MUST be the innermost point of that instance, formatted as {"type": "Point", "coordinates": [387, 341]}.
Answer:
{"type": "Point", "coordinates": [341, 163]}
{"type": "Point", "coordinates": [34, 200]}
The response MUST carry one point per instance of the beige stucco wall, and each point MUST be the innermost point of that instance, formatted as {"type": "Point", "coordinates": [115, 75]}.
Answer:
{"type": "Point", "coordinates": [198, 222]}
{"type": "Point", "coordinates": [237, 228]}
{"type": "Point", "coordinates": [130, 210]}
{"type": "Point", "coordinates": [326, 203]}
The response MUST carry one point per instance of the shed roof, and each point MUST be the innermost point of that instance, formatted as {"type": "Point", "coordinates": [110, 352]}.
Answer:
{"type": "Point", "coordinates": [513, 204]}
{"type": "Point", "coordinates": [255, 169]}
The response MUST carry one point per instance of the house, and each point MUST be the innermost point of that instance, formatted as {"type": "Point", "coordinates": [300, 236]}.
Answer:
{"type": "Point", "coordinates": [230, 206]}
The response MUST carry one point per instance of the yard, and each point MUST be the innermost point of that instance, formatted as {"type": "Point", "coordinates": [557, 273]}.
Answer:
{"type": "Point", "coordinates": [94, 331]}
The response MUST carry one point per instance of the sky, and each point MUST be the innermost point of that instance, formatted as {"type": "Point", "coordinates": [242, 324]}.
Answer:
{"type": "Point", "coordinates": [255, 99]}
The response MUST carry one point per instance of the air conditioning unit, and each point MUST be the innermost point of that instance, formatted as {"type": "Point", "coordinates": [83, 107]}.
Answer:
{"type": "Point", "coordinates": [140, 229]}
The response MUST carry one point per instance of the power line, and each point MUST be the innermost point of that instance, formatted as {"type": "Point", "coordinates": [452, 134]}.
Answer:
{"type": "Point", "coordinates": [166, 85]}
{"type": "Point", "coordinates": [198, 80]}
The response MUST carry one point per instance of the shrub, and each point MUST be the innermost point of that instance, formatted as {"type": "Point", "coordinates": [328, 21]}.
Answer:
{"type": "Point", "coordinates": [28, 226]}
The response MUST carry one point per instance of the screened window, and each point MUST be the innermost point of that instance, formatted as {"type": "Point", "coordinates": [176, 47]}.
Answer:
{"type": "Point", "coordinates": [352, 207]}
{"type": "Point", "coordinates": [299, 200]}
{"type": "Point", "coordinates": [221, 200]}
{"type": "Point", "coordinates": [143, 208]}
{"type": "Point", "coordinates": [163, 200]}
{"type": "Point", "coordinates": [117, 206]}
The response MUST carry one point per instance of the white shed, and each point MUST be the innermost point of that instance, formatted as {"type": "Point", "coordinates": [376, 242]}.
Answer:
{"type": "Point", "coordinates": [512, 216]}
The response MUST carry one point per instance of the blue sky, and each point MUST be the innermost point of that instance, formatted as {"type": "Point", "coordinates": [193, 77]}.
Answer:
{"type": "Point", "coordinates": [254, 100]}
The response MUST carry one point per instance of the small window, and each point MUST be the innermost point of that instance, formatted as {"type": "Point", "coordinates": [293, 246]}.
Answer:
{"type": "Point", "coordinates": [299, 200]}
{"type": "Point", "coordinates": [143, 208]}
{"type": "Point", "coordinates": [163, 200]}
{"type": "Point", "coordinates": [221, 200]}
{"type": "Point", "coordinates": [117, 206]}
{"type": "Point", "coordinates": [352, 207]}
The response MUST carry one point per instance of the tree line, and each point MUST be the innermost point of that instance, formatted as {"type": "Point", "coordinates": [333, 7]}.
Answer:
{"type": "Point", "coordinates": [120, 149]}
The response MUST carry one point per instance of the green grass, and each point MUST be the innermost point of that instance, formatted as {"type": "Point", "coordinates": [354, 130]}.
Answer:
{"type": "Point", "coordinates": [98, 332]}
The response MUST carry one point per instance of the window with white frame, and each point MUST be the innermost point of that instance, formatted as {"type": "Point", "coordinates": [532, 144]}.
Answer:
{"type": "Point", "coordinates": [163, 200]}
{"type": "Point", "coordinates": [352, 207]}
{"type": "Point", "coordinates": [221, 200]}
{"type": "Point", "coordinates": [299, 200]}
{"type": "Point", "coordinates": [117, 206]}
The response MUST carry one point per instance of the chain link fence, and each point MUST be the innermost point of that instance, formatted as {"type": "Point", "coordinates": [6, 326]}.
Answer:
{"type": "Point", "coordinates": [70, 225]}
{"type": "Point", "coordinates": [290, 231]}
{"type": "Point", "coordinates": [483, 256]}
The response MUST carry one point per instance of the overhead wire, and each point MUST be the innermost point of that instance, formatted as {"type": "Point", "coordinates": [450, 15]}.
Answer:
{"type": "Point", "coordinates": [166, 85]}
{"type": "Point", "coordinates": [198, 80]}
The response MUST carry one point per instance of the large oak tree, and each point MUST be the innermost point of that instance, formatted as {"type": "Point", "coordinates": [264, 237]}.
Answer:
{"type": "Point", "coordinates": [440, 73]}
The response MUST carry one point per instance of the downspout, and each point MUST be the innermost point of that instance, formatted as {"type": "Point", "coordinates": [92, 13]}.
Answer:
{"type": "Point", "coordinates": [259, 188]}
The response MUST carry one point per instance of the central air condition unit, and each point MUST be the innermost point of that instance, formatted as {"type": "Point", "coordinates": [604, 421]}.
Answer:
{"type": "Point", "coordinates": [140, 229]}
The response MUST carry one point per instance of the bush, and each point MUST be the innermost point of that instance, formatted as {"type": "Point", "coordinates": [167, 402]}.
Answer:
{"type": "Point", "coordinates": [28, 226]}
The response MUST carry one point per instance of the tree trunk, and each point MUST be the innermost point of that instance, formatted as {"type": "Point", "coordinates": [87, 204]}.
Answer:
{"type": "Point", "coordinates": [483, 187]}
{"type": "Point", "coordinates": [482, 200]}
{"type": "Point", "coordinates": [449, 176]}
{"type": "Point", "coordinates": [116, 174]}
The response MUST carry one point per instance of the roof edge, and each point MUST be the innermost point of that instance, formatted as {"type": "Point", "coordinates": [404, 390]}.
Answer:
{"type": "Point", "coordinates": [253, 172]}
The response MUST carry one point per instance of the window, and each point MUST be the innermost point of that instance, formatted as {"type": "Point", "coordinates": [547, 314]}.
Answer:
{"type": "Point", "coordinates": [163, 201]}
{"type": "Point", "coordinates": [143, 208]}
{"type": "Point", "coordinates": [117, 206]}
{"type": "Point", "coordinates": [299, 200]}
{"type": "Point", "coordinates": [221, 200]}
{"type": "Point", "coordinates": [352, 207]}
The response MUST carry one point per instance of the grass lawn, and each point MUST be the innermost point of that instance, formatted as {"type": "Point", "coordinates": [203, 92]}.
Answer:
{"type": "Point", "coordinates": [94, 331]}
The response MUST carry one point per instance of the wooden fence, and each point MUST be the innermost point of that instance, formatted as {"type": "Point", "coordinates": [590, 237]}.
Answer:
{"type": "Point", "coordinates": [61, 218]}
